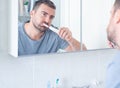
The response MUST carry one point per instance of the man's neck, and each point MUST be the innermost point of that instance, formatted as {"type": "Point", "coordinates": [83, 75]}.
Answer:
{"type": "Point", "coordinates": [33, 33]}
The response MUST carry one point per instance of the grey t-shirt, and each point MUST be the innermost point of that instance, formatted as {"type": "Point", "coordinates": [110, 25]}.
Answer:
{"type": "Point", "coordinates": [113, 73]}
{"type": "Point", "coordinates": [50, 42]}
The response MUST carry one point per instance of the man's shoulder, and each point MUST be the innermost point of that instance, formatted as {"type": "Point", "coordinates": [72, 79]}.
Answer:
{"type": "Point", "coordinates": [116, 60]}
{"type": "Point", "coordinates": [20, 26]}
{"type": "Point", "coordinates": [113, 72]}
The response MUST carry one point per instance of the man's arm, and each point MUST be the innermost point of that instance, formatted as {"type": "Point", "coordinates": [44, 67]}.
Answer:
{"type": "Point", "coordinates": [74, 45]}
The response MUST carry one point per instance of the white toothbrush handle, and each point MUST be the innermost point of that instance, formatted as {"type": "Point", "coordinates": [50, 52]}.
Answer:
{"type": "Point", "coordinates": [54, 29]}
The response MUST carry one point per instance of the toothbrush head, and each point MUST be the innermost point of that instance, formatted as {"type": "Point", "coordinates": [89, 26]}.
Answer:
{"type": "Point", "coordinates": [57, 81]}
{"type": "Point", "coordinates": [45, 25]}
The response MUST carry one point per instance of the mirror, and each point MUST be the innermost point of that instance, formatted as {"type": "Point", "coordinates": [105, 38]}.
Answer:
{"type": "Point", "coordinates": [85, 19]}
{"type": "Point", "coordinates": [95, 18]}
{"type": "Point", "coordinates": [34, 36]}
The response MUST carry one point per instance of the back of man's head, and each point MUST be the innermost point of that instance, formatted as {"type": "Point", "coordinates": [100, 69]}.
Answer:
{"type": "Point", "coordinates": [117, 4]}
{"type": "Point", "coordinates": [46, 2]}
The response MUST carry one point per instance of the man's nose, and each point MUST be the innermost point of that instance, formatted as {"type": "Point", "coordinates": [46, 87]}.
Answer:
{"type": "Point", "coordinates": [47, 19]}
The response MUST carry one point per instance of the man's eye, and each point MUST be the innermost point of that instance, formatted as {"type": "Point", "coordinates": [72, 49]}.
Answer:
{"type": "Point", "coordinates": [43, 14]}
{"type": "Point", "coordinates": [52, 17]}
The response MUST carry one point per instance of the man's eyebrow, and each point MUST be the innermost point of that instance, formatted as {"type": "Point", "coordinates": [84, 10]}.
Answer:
{"type": "Point", "coordinates": [47, 13]}
{"type": "Point", "coordinates": [44, 12]}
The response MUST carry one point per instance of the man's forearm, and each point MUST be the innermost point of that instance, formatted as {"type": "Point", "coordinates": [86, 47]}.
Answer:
{"type": "Point", "coordinates": [75, 45]}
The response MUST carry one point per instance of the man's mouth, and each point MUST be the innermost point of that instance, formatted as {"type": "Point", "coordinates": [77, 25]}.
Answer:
{"type": "Point", "coordinates": [45, 25]}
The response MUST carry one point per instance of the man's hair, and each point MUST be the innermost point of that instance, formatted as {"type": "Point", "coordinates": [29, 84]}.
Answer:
{"type": "Point", "coordinates": [117, 4]}
{"type": "Point", "coordinates": [46, 2]}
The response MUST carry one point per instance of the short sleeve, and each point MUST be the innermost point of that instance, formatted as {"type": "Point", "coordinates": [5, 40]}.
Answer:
{"type": "Point", "coordinates": [62, 43]}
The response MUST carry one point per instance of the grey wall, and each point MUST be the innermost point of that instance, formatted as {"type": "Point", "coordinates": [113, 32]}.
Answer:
{"type": "Point", "coordinates": [73, 69]}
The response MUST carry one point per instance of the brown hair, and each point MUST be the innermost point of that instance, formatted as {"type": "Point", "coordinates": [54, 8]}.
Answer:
{"type": "Point", "coordinates": [46, 2]}
{"type": "Point", "coordinates": [117, 4]}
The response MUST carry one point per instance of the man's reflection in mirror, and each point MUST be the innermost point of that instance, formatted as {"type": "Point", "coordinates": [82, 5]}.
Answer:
{"type": "Point", "coordinates": [36, 36]}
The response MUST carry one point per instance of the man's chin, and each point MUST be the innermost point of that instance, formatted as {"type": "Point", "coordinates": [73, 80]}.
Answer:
{"type": "Point", "coordinates": [43, 30]}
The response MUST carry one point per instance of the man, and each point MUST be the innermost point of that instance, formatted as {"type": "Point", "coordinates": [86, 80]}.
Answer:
{"type": "Point", "coordinates": [35, 36]}
{"type": "Point", "coordinates": [113, 32]}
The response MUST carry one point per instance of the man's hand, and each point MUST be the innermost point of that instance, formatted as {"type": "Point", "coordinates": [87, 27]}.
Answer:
{"type": "Point", "coordinates": [74, 45]}
{"type": "Point", "coordinates": [65, 34]}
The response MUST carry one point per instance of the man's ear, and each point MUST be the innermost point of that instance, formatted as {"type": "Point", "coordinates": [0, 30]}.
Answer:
{"type": "Point", "coordinates": [117, 16]}
{"type": "Point", "coordinates": [31, 13]}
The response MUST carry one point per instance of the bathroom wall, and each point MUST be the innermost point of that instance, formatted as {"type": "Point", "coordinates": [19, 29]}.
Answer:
{"type": "Point", "coordinates": [73, 69]}
{"type": "Point", "coordinates": [4, 24]}
{"type": "Point", "coordinates": [70, 16]}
